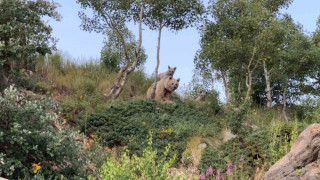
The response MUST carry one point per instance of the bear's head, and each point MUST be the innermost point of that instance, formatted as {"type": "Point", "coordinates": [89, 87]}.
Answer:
{"type": "Point", "coordinates": [171, 71]}
{"type": "Point", "coordinates": [203, 95]}
{"type": "Point", "coordinates": [172, 84]}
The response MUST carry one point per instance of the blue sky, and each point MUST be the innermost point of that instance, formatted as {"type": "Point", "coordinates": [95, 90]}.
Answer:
{"type": "Point", "coordinates": [177, 48]}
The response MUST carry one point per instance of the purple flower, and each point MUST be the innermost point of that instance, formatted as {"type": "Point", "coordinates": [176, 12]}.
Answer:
{"type": "Point", "coordinates": [235, 166]}
{"type": "Point", "coordinates": [207, 174]}
{"type": "Point", "coordinates": [210, 170]}
{"type": "Point", "coordinates": [218, 174]}
{"type": "Point", "coordinates": [229, 165]}
{"type": "Point", "coordinates": [202, 177]}
{"type": "Point", "coordinates": [228, 172]}
{"type": "Point", "coordinates": [241, 159]}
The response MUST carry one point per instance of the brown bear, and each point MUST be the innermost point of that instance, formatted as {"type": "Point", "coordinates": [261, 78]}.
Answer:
{"type": "Point", "coordinates": [168, 73]}
{"type": "Point", "coordinates": [165, 87]}
{"type": "Point", "coordinates": [202, 96]}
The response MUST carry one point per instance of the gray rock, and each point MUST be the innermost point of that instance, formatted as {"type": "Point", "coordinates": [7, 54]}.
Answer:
{"type": "Point", "coordinates": [202, 146]}
{"type": "Point", "coordinates": [303, 157]}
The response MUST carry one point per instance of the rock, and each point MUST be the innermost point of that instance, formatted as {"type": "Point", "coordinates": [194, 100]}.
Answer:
{"type": "Point", "coordinates": [227, 135]}
{"type": "Point", "coordinates": [202, 146]}
{"type": "Point", "coordinates": [303, 160]}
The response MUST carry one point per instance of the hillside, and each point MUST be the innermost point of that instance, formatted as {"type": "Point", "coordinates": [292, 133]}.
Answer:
{"type": "Point", "coordinates": [107, 119]}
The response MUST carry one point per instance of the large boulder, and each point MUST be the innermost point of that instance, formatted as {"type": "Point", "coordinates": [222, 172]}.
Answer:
{"type": "Point", "coordinates": [303, 161]}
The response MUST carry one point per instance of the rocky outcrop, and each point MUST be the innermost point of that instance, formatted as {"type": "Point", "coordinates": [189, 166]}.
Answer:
{"type": "Point", "coordinates": [303, 160]}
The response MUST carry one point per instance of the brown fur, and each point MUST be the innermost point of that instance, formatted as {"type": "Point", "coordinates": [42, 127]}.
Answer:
{"type": "Point", "coordinates": [165, 87]}
{"type": "Point", "coordinates": [168, 73]}
{"type": "Point", "coordinates": [202, 96]}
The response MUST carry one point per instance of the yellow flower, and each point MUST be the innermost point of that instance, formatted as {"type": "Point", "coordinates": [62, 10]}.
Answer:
{"type": "Point", "coordinates": [81, 97]}
{"type": "Point", "coordinates": [167, 130]}
{"type": "Point", "coordinates": [36, 168]}
{"type": "Point", "coordinates": [64, 120]}
{"type": "Point", "coordinates": [144, 123]}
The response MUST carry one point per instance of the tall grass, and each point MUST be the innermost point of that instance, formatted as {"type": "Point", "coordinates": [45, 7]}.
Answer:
{"type": "Point", "coordinates": [83, 88]}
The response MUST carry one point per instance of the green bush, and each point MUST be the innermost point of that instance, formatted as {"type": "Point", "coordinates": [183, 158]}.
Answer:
{"type": "Point", "coordinates": [28, 140]}
{"type": "Point", "coordinates": [258, 148]}
{"type": "Point", "coordinates": [128, 124]}
{"type": "Point", "coordinates": [135, 167]}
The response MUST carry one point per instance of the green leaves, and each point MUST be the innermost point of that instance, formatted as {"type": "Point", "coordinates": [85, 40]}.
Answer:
{"type": "Point", "coordinates": [23, 33]}
{"type": "Point", "coordinates": [28, 136]}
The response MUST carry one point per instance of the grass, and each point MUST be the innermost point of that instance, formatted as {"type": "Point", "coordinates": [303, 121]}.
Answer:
{"type": "Point", "coordinates": [82, 88]}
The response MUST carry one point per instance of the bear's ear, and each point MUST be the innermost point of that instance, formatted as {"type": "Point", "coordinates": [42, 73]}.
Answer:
{"type": "Point", "coordinates": [175, 68]}
{"type": "Point", "coordinates": [206, 93]}
{"type": "Point", "coordinates": [201, 92]}
{"type": "Point", "coordinates": [178, 79]}
{"type": "Point", "coordinates": [169, 67]}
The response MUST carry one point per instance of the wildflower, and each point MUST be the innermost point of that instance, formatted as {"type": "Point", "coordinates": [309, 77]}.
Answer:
{"type": "Point", "coordinates": [167, 130]}
{"type": "Point", "coordinates": [218, 174]}
{"type": "Point", "coordinates": [207, 174]}
{"type": "Point", "coordinates": [210, 171]}
{"type": "Point", "coordinates": [144, 123]}
{"type": "Point", "coordinates": [241, 159]}
{"type": "Point", "coordinates": [202, 177]}
{"type": "Point", "coordinates": [36, 168]}
{"type": "Point", "coordinates": [229, 165]}
{"type": "Point", "coordinates": [228, 172]}
{"type": "Point", "coordinates": [65, 120]}
{"type": "Point", "coordinates": [235, 166]}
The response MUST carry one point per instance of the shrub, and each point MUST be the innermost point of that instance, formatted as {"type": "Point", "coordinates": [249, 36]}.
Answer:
{"type": "Point", "coordinates": [30, 147]}
{"type": "Point", "coordinates": [128, 124]}
{"type": "Point", "coordinates": [135, 167]}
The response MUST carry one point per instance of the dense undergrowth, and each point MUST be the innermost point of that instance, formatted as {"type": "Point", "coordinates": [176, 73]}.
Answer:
{"type": "Point", "coordinates": [35, 148]}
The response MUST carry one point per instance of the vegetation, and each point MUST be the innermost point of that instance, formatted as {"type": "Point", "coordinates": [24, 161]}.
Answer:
{"type": "Point", "coordinates": [135, 167]}
{"type": "Point", "coordinates": [57, 120]}
{"type": "Point", "coordinates": [31, 146]}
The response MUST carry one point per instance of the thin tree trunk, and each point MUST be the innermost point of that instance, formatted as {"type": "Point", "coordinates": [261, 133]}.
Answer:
{"type": "Point", "coordinates": [249, 84]}
{"type": "Point", "coordinates": [226, 88]}
{"type": "Point", "coordinates": [284, 99]}
{"type": "Point", "coordinates": [212, 76]}
{"type": "Point", "coordinates": [249, 76]}
{"type": "Point", "coordinates": [267, 77]}
{"type": "Point", "coordinates": [136, 59]}
{"type": "Point", "coordinates": [239, 91]}
{"type": "Point", "coordinates": [158, 63]}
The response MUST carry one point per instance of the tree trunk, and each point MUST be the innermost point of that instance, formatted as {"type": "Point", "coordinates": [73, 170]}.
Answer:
{"type": "Point", "coordinates": [158, 63]}
{"type": "Point", "coordinates": [249, 76]}
{"type": "Point", "coordinates": [284, 99]}
{"type": "Point", "coordinates": [226, 88]}
{"type": "Point", "coordinates": [239, 91]}
{"type": "Point", "coordinates": [267, 77]}
{"type": "Point", "coordinates": [126, 70]}
{"type": "Point", "coordinates": [249, 84]}
{"type": "Point", "coordinates": [212, 76]}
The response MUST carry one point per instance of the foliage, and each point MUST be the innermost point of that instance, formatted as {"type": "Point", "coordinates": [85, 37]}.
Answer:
{"type": "Point", "coordinates": [129, 123]}
{"type": "Point", "coordinates": [23, 33]}
{"type": "Point", "coordinates": [243, 36]}
{"type": "Point", "coordinates": [31, 146]}
{"type": "Point", "coordinates": [112, 54]}
{"type": "Point", "coordinates": [136, 167]}
{"type": "Point", "coordinates": [259, 148]}
{"type": "Point", "coordinates": [80, 88]}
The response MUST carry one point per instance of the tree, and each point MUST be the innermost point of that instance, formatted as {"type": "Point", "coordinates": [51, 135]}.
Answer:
{"type": "Point", "coordinates": [172, 14]}
{"type": "Point", "coordinates": [230, 43]}
{"type": "Point", "coordinates": [113, 15]}
{"type": "Point", "coordinates": [112, 55]}
{"type": "Point", "coordinates": [23, 33]}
